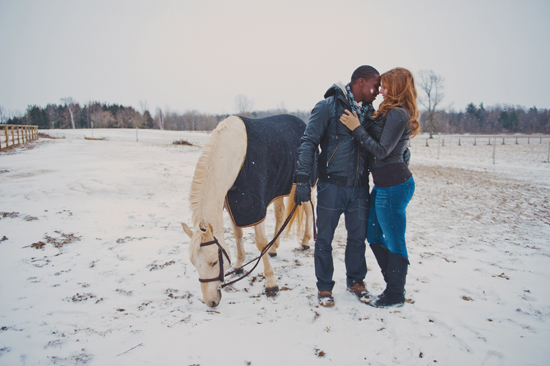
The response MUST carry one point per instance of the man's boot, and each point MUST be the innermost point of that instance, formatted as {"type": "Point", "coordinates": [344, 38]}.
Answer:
{"type": "Point", "coordinates": [394, 294]}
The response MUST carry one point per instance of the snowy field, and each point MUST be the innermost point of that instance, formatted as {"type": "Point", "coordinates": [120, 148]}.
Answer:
{"type": "Point", "coordinates": [94, 266]}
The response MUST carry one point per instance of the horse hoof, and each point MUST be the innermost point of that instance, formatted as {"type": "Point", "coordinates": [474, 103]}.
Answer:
{"type": "Point", "coordinates": [272, 291]}
{"type": "Point", "coordinates": [239, 271]}
{"type": "Point", "coordinates": [305, 247]}
{"type": "Point", "coordinates": [272, 255]}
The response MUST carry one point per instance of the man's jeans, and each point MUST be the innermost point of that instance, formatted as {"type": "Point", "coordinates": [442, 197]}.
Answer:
{"type": "Point", "coordinates": [387, 219]}
{"type": "Point", "coordinates": [332, 201]}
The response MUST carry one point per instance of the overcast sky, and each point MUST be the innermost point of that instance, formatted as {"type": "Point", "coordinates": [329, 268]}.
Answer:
{"type": "Point", "coordinates": [200, 55]}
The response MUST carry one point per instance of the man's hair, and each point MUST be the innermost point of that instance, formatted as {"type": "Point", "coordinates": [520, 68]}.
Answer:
{"type": "Point", "coordinates": [364, 72]}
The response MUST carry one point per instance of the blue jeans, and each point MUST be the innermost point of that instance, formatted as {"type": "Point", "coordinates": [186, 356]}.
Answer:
{"type": "Point", "coordinates": [332, 202]}
{"type": "Point", "coordinates": [387, 216]}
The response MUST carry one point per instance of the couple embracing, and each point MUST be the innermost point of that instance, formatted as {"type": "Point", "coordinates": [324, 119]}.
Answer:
{"type": "Point", "coordinates": [355, 140]}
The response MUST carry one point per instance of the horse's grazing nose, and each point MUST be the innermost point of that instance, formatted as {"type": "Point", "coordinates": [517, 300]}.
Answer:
{"type": "Point", "coordinates": [215, 303]}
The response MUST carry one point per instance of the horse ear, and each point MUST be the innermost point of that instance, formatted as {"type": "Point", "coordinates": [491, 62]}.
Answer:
{"type": "Point", "coordinates": [187, 230]}
{"type": "Point", "coordinates": [202, 226]}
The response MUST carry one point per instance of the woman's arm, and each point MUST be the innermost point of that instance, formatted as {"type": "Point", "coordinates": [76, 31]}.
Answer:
{"type": "Point", "coordinates": [396, 122]}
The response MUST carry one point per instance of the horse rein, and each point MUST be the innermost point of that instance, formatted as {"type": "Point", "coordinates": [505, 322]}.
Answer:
{"type": "Point", "coordinates": [222, 252]}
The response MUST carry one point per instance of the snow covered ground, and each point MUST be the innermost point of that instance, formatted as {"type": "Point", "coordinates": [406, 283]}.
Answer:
{"type": "Point", "coordinates": [94, 267]}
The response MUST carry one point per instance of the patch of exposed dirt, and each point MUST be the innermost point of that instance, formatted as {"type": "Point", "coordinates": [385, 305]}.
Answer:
{"type": "Point", "coordinates": [64, 239]}
{"type": "Point", "coordinates": [182, 142]}
{"type": "Point", "coordinates": [154, 267]}
{"type": "Point", "coordinates": [14, 215]}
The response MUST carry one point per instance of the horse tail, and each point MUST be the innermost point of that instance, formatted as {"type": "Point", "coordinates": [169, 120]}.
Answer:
{"type": "Point", "coordinates": [298, 217]}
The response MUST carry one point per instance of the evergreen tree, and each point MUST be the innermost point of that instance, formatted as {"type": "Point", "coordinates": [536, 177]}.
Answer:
{"type": "Point", "coordinates": [149, 119]}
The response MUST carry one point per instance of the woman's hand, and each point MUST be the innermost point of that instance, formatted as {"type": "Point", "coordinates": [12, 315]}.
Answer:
{"type": "Point", "coordinates": [351, 121]}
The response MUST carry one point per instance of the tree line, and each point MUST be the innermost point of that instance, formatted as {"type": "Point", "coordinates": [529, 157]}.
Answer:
{"type": "Point", "coordinates": [475, 119]}
{"type": "Point", "coordinates": [491, 120]}
{"type": "Point", "coordinates": [434, 118]}
{"type": "Point", "coordinates": [71, 114]}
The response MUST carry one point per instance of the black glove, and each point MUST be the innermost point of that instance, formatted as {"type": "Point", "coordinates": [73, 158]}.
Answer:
{"type": "Point", "coordinates": [303, 193]}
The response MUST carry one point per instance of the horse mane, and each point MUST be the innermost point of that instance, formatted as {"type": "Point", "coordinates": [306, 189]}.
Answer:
{"type": "Point", "coordinates": [201, 178]}
{"type": "Point", "coordinates": [199, 186]}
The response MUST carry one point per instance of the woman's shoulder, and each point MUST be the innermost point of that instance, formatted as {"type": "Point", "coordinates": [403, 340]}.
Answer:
{"type": "Point", "coordinates": [399, 112]}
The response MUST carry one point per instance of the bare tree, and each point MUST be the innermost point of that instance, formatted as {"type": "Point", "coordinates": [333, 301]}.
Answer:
{"type": "Point", "coordinates": [244, 105]}
{"type": "Point", "coordinates": [159, 119]}
{"type": "Point", "coordinates": [432, 85]}
{"type": "Point", "coordinates": [102, 119]}
{"type": "Point", "coordinates": [193, 119]}
{"type": "Point", "coordinates": [3, 116]}
{"type": "Point", "coordinates": [70, 102]}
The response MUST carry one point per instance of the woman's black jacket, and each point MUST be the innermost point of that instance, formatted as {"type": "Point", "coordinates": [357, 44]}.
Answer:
{"type": "Point", "coordinates": [387, 138]}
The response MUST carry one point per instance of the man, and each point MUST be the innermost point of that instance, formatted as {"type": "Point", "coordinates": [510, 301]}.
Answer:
{"type": "Point", "coordinates": [343, 185]}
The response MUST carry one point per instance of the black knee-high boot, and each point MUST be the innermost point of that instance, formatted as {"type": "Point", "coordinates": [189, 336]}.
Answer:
{"type": "Point", "coordinates": [381, 254]}
{"type": "Point", "coordinates": [394, 294]}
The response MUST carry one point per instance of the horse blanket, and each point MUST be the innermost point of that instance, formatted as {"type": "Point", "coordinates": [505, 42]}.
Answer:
{"type": "Point", "coordinates": [268, 168]}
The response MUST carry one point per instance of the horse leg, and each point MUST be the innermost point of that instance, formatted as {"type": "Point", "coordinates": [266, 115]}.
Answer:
{"type": "Point", "coordinates": [241, 255]}
{"type": "Point", "coordinates": [279, 208]}
{"type": "Point", "coordinates": [271, 287]}
{"type": "Point", "coordinates": [309, 224]}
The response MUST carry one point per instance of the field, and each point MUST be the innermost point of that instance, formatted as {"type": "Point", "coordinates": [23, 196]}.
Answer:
{"type": "Point", "coordinates": [94, 267]}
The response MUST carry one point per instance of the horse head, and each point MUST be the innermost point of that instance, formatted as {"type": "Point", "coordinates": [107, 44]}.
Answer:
{"type": "Point", "coordinates": [209, 261]}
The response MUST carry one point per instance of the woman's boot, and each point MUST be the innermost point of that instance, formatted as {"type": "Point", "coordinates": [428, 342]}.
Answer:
{"type": "Point", "coordinates": [381, 254]}
{"type": "Point", "coordinates": [394, 294]}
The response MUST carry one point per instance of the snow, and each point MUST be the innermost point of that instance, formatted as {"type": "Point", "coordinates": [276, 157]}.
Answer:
{"type": "Point", "coordinates": [94, 266]}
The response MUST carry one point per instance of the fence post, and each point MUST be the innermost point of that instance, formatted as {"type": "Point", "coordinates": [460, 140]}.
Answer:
{"type": "Point", "coordinates": [427, 143]}
{"type": "Point", "coordinates": [494, 150]}
{"type": "Point", "coordinates": [459, 142]}
{"type": "Point", "coordinates": [438, 150]}
{"type": "Point", "coordinates": [528, 140]}
{"type": "Point", "coordinates": [475, 139]}
{"type": "Point", "coordinates": [517, 141]}
{"type": "Point", "coordinates": [503, 141]}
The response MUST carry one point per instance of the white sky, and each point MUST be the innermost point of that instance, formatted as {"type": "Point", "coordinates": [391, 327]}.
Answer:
{"type": "Point", "coordinates": [201, 54]}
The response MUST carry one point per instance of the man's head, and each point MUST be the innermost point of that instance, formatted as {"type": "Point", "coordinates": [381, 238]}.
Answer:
{"type": "Point", "coordinates": [365, 84]}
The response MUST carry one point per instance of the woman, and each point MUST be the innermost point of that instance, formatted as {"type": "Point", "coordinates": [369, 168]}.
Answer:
{"type": "Point", "coordinates": [386, 139]}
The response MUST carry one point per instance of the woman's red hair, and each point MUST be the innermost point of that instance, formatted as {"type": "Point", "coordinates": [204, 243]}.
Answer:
{"type": "Point", "coordinates": [401, 91]}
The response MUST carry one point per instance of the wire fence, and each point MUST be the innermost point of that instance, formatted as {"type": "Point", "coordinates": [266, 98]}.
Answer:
{"type": "Point", "coordinates": [533, 148]}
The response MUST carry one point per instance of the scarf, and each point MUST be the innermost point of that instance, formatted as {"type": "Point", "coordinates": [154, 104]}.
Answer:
{"type": "Point", "coordinates": [359, 108]}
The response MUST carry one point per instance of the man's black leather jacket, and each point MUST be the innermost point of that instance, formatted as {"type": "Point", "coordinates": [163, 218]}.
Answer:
{"type": "Point", "coordinates": [340, 161]}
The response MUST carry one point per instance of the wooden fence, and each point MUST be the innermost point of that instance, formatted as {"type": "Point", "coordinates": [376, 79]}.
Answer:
{"type": "Point", "coordinates": [18, 134]}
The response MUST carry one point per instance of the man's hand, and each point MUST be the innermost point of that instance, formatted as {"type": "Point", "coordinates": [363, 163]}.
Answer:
{"type": "Point", "coordinates": [350, 120]}
{"type": "Point", "coordinates": [303, 193]}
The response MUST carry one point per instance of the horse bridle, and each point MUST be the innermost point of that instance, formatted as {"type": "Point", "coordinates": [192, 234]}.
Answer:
{"type": "Point", "coordinates": [221, 253]}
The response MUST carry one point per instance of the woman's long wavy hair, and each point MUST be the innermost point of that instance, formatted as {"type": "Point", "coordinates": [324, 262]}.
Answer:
{"type": "Point", "coordinates": [401, 91]}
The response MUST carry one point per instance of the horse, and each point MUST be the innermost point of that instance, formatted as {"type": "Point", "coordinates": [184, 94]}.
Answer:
{"type": "Point", "coordinates": [219, 176]}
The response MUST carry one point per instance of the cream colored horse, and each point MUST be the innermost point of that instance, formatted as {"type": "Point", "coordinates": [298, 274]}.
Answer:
{"type": "Point", "coordinates": [215, 173]}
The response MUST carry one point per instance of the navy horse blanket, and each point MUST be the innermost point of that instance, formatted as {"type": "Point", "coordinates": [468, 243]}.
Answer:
{"type": "Point", "coordinates": [268, 168]}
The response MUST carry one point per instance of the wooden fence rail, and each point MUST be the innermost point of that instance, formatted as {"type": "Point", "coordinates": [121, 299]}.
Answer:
{"type": "Point", "coordinates": [19, 134]}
